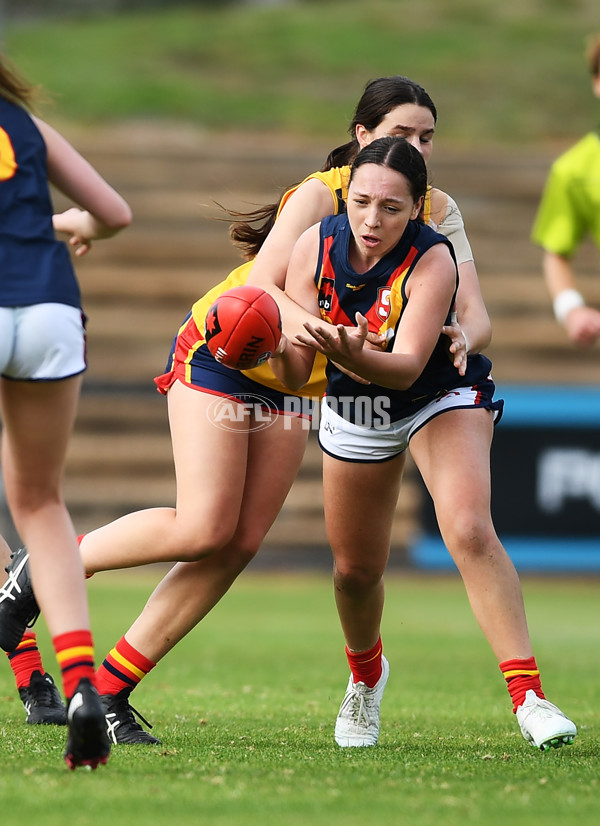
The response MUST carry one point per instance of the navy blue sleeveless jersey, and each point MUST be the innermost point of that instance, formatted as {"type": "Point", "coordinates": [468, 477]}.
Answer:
{"type": "Point", "coordinates": [380, 295]}
{"type": "Point", "coordinates": [35, 267]}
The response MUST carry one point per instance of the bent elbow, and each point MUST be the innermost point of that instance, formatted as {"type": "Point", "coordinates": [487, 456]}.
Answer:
{"type": "Point", "coordinates": [405, 385]}
{"type": "Point", "coordinates": [407, 378]}
{"type": "Point", "coordinates": [122, 217]}
{"type": "Point", "coordinates": [487, 339]}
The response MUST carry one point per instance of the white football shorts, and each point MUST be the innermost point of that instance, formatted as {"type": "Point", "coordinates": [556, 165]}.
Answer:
{"type": "Point", "coordinates": [42, 342]}
{"type": "Point", "coordinates": [358, 443]}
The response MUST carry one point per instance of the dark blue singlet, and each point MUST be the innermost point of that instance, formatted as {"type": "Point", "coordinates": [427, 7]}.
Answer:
{"type": "Point", "coordinates": [35, 267]}
{"type": "Point", "coordinates": [380, 295]}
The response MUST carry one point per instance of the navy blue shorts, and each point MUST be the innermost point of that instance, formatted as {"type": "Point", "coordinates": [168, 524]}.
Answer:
{"type": "Point", "coordinates": [191, 363]}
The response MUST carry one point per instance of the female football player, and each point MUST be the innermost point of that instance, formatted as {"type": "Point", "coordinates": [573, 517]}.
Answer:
{"type": "Point", "coordinates": [42, 359]}
{"type": "Point", "coordinates": [378, 268]}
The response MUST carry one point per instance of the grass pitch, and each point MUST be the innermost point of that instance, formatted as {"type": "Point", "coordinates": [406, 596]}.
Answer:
{"type": "Point", "coordinates": [245, 708]}
{"type": "Point", "coordinates": [501, 72]}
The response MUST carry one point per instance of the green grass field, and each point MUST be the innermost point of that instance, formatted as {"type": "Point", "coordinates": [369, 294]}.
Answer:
{"type": "Point", "coordinates": [245, 708]}
{"type": "Point", "coordinates": [245, 705]}
{"type": "Point", "coordinates": [510, 72]}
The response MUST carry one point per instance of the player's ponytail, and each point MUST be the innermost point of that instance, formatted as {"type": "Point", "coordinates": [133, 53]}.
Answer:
{"type": "Point", "coordinates": [14, 87]}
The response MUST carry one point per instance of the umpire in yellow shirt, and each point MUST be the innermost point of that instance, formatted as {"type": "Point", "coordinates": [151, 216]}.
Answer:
{"type": "Point", "coordinates": [570, 210]}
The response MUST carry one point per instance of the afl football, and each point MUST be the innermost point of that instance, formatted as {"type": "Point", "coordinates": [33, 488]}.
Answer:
{"type": "Point", "coordinates": [243, 327]}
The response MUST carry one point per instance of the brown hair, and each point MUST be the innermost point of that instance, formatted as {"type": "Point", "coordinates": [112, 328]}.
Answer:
{"type": "Point", "coordinates": [593, 55]}
{"type": "Point", "coordinates": [13, 85]}
{"type": "Point", "coordinates": [379, 97]}
{"type": "Point", "coordinates": [394, 152]}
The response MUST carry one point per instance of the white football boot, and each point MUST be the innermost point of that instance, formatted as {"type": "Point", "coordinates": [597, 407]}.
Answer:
{"type": "Point", "coordinates": [357, 722]}
{"type": "Point", "coordinates": [543, 724]}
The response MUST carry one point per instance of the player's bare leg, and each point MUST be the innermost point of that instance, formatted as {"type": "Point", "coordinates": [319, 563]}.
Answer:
{"type": "Point", "coordinates": [38, 418]}
{"type": "Point", "coordinates": [452, 453]}
{"type": "Point", "coordinates": [360, 500]}
{"type": "Point", "coordinates": [209, 463]}
{"type": "Point", "coordinates": [191, 589]}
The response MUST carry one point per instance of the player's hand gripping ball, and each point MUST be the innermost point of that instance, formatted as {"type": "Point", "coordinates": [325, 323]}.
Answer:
{"type": "Point", "coordinates": [243, 327]}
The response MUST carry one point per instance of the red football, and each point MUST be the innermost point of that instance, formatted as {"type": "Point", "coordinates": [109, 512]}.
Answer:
{"type": "Point", "coordinates": [243, 327]}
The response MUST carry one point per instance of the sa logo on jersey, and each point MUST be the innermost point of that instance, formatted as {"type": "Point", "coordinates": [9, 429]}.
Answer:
{"type": "Point", "coordinates": [383, 305]}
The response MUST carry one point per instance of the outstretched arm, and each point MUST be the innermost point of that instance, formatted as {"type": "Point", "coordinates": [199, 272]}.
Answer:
{"type": "Point", "coordinates": [430, 291]}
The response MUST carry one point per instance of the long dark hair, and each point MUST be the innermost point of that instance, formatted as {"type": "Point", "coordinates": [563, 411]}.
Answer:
{"type": "Point", "coordinates": [378, 99]}
{"type": "Point", "coordinates": [396, 153]}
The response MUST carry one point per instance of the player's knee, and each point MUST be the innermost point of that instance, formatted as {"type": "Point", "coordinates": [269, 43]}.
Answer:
{"type": "Point", "coordinates": [27, 503]}
{"type": "Point", "coordinates": [470, 535]}
{"type": "Point", "coordinates": [243, 548]}
{"type": "Point", "coordinates": [196, 545]}
{"type": "Point", "coordinates": [355, 580]}
{"type": "Point", "coordinates": [243, 554]}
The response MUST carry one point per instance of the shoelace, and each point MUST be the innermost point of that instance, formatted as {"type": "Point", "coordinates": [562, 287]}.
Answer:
{"type": "Point", "coordinates": [42, 694]}
{"type": "Point", "coordinates": [359, 704]}
{"type": "Point", "coordinates": [10, 586]}
{"type": "Point", "coordinates": [129, 711]}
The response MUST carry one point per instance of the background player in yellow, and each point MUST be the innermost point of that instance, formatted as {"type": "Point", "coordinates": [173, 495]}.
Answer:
{"type": "Point", "coordinates": [570, 210]}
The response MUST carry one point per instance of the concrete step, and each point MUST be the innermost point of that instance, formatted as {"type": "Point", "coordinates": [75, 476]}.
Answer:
{"type": "Point", "coordinates": [139, 286]}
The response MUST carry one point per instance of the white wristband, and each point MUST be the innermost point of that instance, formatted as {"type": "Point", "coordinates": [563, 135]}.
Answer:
{"type": "Point", "coordinates": [566, 301]}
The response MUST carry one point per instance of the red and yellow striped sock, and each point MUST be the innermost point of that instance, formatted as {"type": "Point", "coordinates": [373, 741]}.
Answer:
{"type": "Point", "coordinates": [124, 667]}
{"type": "Point", "coordinates": [25, 659]}
{"type": "Point", "coordinates": [75, 655]}
{"type": "Point", "coordinates": [521, 675]}
{"type": "Point", "coordinates": [366, 665]}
